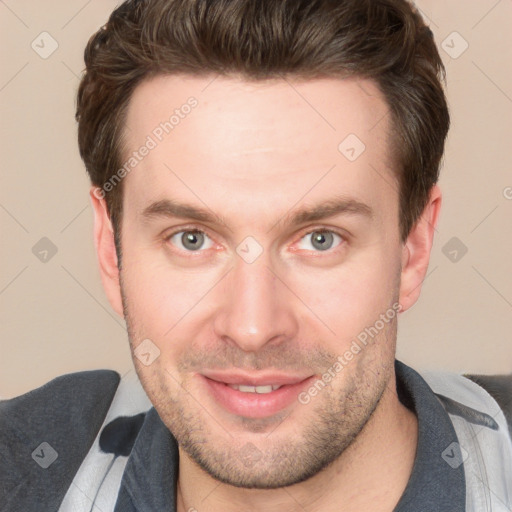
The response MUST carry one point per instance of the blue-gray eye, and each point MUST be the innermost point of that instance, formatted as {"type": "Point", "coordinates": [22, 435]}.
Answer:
{"type": "Point", "coordinates": [191, 240]}
{"type": "Point", "coordinates": [321, 240]}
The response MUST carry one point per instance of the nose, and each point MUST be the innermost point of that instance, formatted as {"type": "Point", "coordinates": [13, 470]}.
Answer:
{"type": "Point", "coordinates": [255, 306]}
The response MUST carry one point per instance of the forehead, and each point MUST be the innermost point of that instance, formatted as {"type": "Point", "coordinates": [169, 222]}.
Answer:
{"type": "Point", "coordinates": [329, 107]}
{"type": "Point", "coordinates": [243, 141]}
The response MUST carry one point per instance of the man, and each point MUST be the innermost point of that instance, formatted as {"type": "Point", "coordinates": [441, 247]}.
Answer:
{"type": "Point", "coordinates": [264, 187]}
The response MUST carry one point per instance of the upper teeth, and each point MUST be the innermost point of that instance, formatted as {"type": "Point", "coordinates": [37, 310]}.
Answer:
{"type": "Point", "coordinates": [254, 389]}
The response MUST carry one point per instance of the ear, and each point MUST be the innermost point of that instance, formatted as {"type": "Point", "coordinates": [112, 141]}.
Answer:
{"type": "Point", "coordinates": [106, 250]}
{"type": "Point", "coordinates": [416, 251]}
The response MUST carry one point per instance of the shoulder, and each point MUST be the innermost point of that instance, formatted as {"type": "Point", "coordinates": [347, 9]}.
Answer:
{"type": "Point", "coordinates": [69, 386]}
{"type": "Point", "coordinates": [67, 399]}
{"type": "Point", "coordinates": [500, 388]}
{"type": "Point", "coordinates": [482, 392]}
{"type": "Point", "coordinates": [479, 408]}
{"type": "Point", "coordinates": [45, 434]}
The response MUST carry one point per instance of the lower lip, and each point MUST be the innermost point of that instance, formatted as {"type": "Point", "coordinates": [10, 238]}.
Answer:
{"type": "Point", "coordinates": [255, 405]}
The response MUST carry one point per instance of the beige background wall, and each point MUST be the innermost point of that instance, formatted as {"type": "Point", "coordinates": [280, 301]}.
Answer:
{"type": "Point", "coordinates": [54, 315]}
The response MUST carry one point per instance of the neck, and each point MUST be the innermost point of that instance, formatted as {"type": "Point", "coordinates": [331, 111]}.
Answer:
{"type": "Point", "coordinates": [371, 474]}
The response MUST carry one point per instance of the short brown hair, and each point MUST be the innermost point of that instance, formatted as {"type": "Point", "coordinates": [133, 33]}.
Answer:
{"type": "Point", "coordinates": [384, 40]}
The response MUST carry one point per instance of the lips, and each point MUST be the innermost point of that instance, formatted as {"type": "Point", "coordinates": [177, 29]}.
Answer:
{"type": "Point", "coordinates": [254, 396]}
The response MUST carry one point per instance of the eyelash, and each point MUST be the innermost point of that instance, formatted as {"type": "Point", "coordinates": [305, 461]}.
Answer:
{"type": "Point", "coordinates": [194, 229]}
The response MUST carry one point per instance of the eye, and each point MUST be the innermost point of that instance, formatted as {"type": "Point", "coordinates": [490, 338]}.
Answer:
{"type": "Point", "coordinates": [190, 240]}
{"type": "Point", "coordinates": [321, 240]}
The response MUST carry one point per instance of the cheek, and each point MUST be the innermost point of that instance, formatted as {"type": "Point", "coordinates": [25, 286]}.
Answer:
{"type": "Point", "coordinates": [164, 303]}
{"type": "Point", "coordinates": [352, 296]}
{"type": "Point", "coordinates": [152, 300]}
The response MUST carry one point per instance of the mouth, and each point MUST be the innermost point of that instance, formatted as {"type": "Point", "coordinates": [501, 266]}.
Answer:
{"type": "Point", "coordinates": [254, 396]}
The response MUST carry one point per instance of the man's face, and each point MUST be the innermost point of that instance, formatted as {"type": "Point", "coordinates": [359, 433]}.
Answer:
{"type": "Point", "coordinates": [253, 295]}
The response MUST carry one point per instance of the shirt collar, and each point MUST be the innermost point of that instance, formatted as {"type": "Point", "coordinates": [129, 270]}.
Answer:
{"type": "Point", "coordinates": [151, 473]}
{"type": "Point", "coordinates": [433, 484]}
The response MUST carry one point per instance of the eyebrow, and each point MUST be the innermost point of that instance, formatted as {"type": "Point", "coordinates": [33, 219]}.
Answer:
{"type": "Point", "coordinates": [170, 208]}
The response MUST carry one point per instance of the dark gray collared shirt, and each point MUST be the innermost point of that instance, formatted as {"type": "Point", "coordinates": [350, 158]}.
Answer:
{"type": "Point", "coordinates": [67, 413]}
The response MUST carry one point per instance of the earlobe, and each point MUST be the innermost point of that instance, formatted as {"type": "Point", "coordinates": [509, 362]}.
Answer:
{"type": "Point", "coordinates": [416, 251]}
{"type": "Point", "coordinates": [106, 250]}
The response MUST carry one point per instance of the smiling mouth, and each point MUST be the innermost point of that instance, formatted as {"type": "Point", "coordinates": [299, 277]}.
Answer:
{"type": "Point", "coordinates": [246, 397]}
